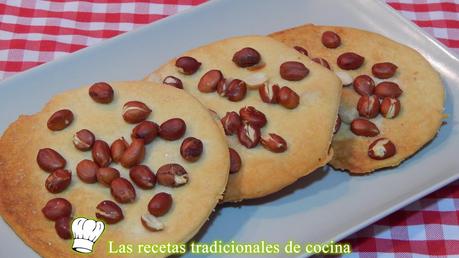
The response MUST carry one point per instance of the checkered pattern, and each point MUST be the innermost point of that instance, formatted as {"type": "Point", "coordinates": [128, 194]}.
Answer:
{"type": "Point", "coordinates": [427, 227]}
{"type": "Point", "coordinates": [36, 32]}
{"type": "Point", "coordinates": [440, 18]}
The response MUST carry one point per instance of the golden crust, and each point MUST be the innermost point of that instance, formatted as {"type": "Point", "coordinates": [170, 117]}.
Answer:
{"type": "Point", "coordinates": [307, 129]}
{"type": "Point", "coordinates": [422, 101]}
{"type": "Point", "coordinates": [22, 182]}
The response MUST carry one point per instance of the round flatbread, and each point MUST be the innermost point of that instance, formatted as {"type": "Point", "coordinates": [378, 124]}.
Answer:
{"type": "Point", "coordinates": [22, 181]}
{"type": "Point", "coordinates": [421, 103]}
{"type": "Point", "coordinates": [307, 129]}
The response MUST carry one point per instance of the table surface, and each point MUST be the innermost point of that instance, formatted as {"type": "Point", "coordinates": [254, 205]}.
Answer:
{"type": "Point", "coordinates": [36, 32]}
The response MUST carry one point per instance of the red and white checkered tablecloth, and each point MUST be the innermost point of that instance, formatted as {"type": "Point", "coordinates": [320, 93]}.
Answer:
{"type": "Point", "coordinates": [36, 32]}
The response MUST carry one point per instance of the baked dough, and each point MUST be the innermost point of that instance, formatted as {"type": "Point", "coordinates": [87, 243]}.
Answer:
{"type": "Point", "coordinates": [23, 192]}
{"type": "Point", "coordinates": [422, 100]}
{"type": "Point", "coordinates": [307, 129]}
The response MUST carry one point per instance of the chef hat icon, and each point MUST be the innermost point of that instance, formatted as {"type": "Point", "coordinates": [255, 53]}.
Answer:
{"type": "Point", "coordinates": [85, 234]}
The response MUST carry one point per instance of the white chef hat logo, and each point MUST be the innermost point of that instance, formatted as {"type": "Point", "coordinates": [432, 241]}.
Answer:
{"type": "Point", "coordinates": [85, 234]}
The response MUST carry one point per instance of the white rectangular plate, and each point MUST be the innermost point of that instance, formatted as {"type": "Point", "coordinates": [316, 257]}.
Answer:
{"type": "Point", "coordinates": [323, 206]}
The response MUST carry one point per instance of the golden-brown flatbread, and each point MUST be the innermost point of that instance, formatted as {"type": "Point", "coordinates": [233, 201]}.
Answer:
{"type": "Point", "coordinates": [307, 129]}
{"type": "Point", "coordinates": [23, 192]}
{"type": "Point", "coordinates": [422, 100]}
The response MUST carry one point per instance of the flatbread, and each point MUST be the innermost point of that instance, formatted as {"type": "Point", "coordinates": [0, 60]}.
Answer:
{"type": "Point", "coordinates": [422, 100]}
{"type": "Point", "coordinates": [22, 182]}
{"type": "Point", "coordinates": [307, 129]}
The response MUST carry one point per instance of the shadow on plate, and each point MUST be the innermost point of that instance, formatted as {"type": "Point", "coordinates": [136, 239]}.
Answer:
{"type": "Point", "coordinates": [300, 184]}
